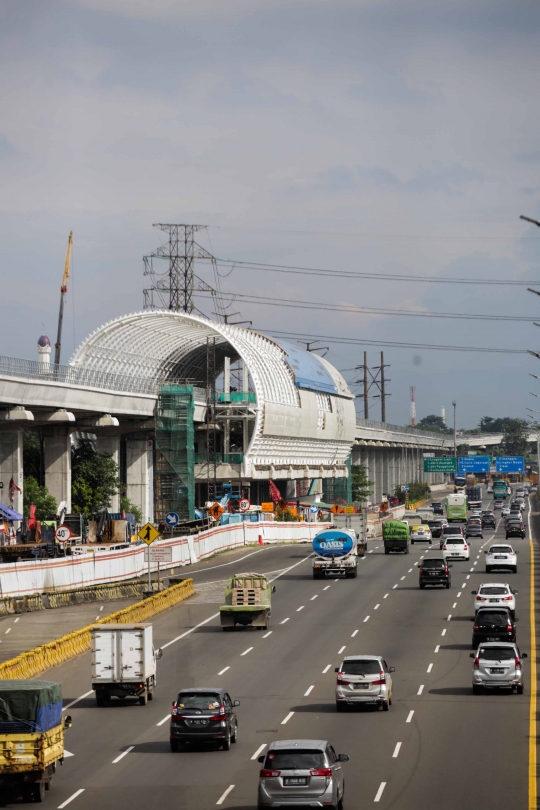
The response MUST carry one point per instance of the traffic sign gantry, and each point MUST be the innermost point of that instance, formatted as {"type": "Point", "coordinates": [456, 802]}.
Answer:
{"type": "Point", "coordinates": [148, 533]}
{"type": "Point", "coordinates": [63, 534]}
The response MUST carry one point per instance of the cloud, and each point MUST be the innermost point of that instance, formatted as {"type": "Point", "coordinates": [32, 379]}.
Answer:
{"type": "Point", "coordinates": [388, 87]}
{"type": "Point", "coordinates": [529, 157]}
{"type": "Point", "coordinates": [437, 179]}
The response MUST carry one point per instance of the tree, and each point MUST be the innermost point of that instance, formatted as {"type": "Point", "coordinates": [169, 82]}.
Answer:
{"type": "Point", "coordinates": [129, 507]}
{"type": "Point", "coordinates": [40, 497]}
{"type": "Point", "coordinates": [361, 485]}
{"type": "Point", "coordinates": [94, 479]}
{"type": "Point", "coordinates": [434, 423]}
{"type": "Point", "coordinates": [489, 425]}
{"type": "Point", "coordinates": [417, 491]}
{"type": "Point", "coordinates": [31, 454]}
{"type": "Point", "coordinates": [515, 438]}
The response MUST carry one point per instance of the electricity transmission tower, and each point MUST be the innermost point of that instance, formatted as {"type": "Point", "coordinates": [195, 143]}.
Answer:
{"type": "Point", "coordinates": [370, 380]}
{"type": "Point", "coordinates": [174, 289]}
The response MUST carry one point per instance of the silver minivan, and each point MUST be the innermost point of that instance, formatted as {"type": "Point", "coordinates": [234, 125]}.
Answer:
{"type": "Point", "coordinates": [363, 679]}
{"type": "Point", "coordinates": [307, 773]}
{"type": "Point", "coordinates": [498, 665]}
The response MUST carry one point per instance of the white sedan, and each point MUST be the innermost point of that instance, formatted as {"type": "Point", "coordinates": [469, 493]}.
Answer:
{"type": "Point", "coordinates": [501, 556]}
{"type": "Point", "coordinates": [456, 547]}
{"type": "Point", "coordinates": [495, 594]}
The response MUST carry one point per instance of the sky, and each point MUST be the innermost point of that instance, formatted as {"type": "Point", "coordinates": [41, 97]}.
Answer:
{"type": "Point", "coordinates": [381, 136]}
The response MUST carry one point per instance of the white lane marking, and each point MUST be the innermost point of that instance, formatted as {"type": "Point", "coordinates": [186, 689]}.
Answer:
{"type": "Point", "coordinates": [459, 594]}
{"type": "Point", "coordinates": [308, 691]}
{"type": "Point", "coordinates": [325, 589]}
{"type": "Point", "coordinates": [284, 621]}
{"type": "Point", "coordinates": [101, 608]}
{"type": "Point", "coordinates": [8, 630]}
{"type": "Point", "coordinates": [16, 620]}
{"type": "Point", "coordinates": [314, 597]}
{"type": "Point", "coordinates": [376, 547]}
{"type": "Point", "coordinates": [409, 571]}
{"type": "Point", "coordinates": [443, 633]}
{"type": "Point", "coordinates": [300, 608]}
{"type": "Point", "coordinates": [287, 718]}
{"type": "Point", "coordinates": [449, 617]}
{"type": "Point", "coordinates": [395, 586]}
{"type": "Point", "coordinates": [420, 689]}
{"type": "Point", "coordinates": [325, 670]}
{"type": "Point", "coordinates": [97, 618]}
{"type": "Point", "coordinates": [209, 619]}
{"type": "Point", "coordinates": [123, 754]}
{"type": "Point", "coordinates": [454, 606]}
{"type": "Point", "coordinates": [430, 668]}
{"type": "Point", "coordinates": [249, 649]}
{"type": "Point", "coordinates": [370, 552]}
{"type": "Point", "coordinates": [380, 792]}
{"type": "Point", "coordinates": [472, 569]}
{"type": "Point", "coordinates": [402, 578]}
{"type": "Point", "coordinates": [437, 648]}
{"type": "Point", "coordinates": [259, 750]}
{"type": "Point", "coordinates": [396, 750]}
{"type": "Point", "coordinates": [386, 594]}
{"type": "Point", "coordinates": [224, 796]}
{"type": "Point", "coordinates": [365, 620]}
{"type": "Point", "coordinates": [77, 793]}
{"type": "Point", "coordinates": [422, 557]}
{"type": "Point", "coordinates": [73, 702]}
{"type": "Point", "coordinates": [410, 716]}
{"type": "Point", "coordinates": [161, 722]}
{"type": "Point", "coordinates": [353, 634]}
{"type": "Point", "coordinates": [377, 606]}
{"type": "Point", "coordinates": [223, 671]}
{"type": "Point", "coordinates": [341, 649]}
{"type": "Point", "coordinates": [267, 634]}
{"type": "Point", "coordinates": [464, 585]}
{"type": "Point", "coordinates": [336, 580]}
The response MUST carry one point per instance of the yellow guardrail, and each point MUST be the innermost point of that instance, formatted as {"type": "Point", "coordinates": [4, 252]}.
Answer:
{"type": "Point", "coordinates": [416, 504]}
{"type": "Point", "coordinates": [30, 663]}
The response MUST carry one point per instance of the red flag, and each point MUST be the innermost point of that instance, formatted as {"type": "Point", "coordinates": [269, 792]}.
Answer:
{"type": "Point", "coordinates": [275, 494]}
{"type": "Point", "coordinates": [12, 489]}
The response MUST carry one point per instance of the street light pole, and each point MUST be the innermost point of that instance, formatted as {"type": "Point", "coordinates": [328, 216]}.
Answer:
{"type": "Point", "coordinates": [455, 443]}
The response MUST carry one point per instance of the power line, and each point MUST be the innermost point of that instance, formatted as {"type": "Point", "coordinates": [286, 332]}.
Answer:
{"type": "Point", "coordinates": [319, 271]}
{"type": "Point", "coordinates": [394, 343]}
{"type": "Point", "coordinates": [358, 310]}
{"type": "Point", "coordinates": [355, 235]}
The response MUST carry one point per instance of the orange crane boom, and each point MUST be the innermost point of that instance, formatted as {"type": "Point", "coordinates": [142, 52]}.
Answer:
{"type": "Point", "coordinates": [63, 291]}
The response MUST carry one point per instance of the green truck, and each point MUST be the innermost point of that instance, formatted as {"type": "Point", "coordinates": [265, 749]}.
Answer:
{"type": "Point", "coordinates": [395, 536]}
{"type": "Point", "coordinates": [499, 490]}
{"type": "Point", "coordinates": [31, 736]}
{"type": "Point", "coordinates": [247, 602]}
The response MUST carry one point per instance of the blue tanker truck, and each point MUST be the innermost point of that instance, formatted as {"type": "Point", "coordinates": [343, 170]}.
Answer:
{"type": "Point", "coordinates": [336, 553]}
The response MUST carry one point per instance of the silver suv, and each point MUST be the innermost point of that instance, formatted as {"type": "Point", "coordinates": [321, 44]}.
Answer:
{"type": "Point", "coordinates": [307, 773]}
{"type": "Point", "coordinates": [498, 664]}
{"type": "Point", "coordinates": [364, 679]}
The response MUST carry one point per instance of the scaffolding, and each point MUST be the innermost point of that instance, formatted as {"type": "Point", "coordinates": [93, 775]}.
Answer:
{"type": "Point", "coordinates": [338, 490]}
{"type": "Point", "coordinates": [175, 455]}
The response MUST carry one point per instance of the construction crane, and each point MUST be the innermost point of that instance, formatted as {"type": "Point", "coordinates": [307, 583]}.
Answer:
{"type": "Point", "coordinates": [63, 291]}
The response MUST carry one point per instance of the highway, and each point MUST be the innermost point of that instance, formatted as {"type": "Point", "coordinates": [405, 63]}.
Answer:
{"type": "Point", "coordinates": [438, 743]}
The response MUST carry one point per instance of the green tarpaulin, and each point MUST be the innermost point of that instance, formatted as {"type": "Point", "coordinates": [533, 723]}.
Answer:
{"type": "Point", "coordinates": [35, 703]}
{"type": "Point", "coordinates": [395, 530]}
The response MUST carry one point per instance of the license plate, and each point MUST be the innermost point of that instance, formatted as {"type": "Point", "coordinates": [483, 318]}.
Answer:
{"type": "Point", "coordinates": [499, 557]}
{"type": "Point", "coordinates": [361, 685]}
{"type": "Point", "coordinates": [492, 601]}
{"type": "Point", "coordinates": [198, 722]}
{"type": "Point", "coordinates": [295, 780]}
{"type": "Point", "coordinates": [492, 638]}
{"type": "Point", "coordinates": [497, 671]}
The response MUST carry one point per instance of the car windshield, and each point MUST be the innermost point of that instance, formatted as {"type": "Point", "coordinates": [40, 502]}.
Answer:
{"type": "Point", "coordinates": [295, 760]}
{"type": "Point", "coordinates": [361, 667]}
{"type": "Point", "coordinates": [491, 617]}
{"type": "Point", "coordinates": [496, 653]}
{"type": "Point", "coordinates": [198, 700]}
{"type": "Point", "coordinates": [501, 550]}
{"type": "Point", "coordinates": [455, 541]}
{"type": "Point", "coordinates": [493, 590]}
{"type": "Point", "coordinates": [434, 524]}
{"type": "Point", "coordinates": [433, 564]}
{"type": "Point", "coordinates": [474, 522]}
{"type": "Point", "coordinates": [450, 530]}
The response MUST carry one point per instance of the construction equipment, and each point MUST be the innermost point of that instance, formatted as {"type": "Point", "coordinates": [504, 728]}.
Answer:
{"type": "Point", "coordinates": [63, 291]}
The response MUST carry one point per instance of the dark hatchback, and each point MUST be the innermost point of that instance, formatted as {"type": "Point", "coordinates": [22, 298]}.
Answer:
{"type": "Point", "coordinates": [515, 528]}
{"type": "Point", "coordinates": [474, 530]}
{"type": "Point", "coordinates": [488, 520]}
{"type": "Point", "coordinates": [434, 571]}
{"type": "Point", "coordinates": [493, 624]}
{"type": "Point", "coordinates": [204, 716]}
{"type": "Point", "coordinates": [436, 527]}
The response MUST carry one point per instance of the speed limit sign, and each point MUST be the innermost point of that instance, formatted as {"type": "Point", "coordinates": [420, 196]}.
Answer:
{"type": "Point", "coordinates": [244, 505]}
{"type": "Point", "coordinates": [62, 534]}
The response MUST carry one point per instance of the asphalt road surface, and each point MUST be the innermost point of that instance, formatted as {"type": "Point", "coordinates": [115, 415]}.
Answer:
{"type": "Point", "coordinates": [438, 746]}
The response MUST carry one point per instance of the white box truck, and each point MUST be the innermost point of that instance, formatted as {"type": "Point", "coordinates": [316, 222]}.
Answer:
{"type": "Point", "coordinates": [123, 662]}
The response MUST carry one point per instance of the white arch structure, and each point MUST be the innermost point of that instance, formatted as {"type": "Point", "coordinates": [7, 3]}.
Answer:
{"type": "Point", "coordinates": [305, 417]}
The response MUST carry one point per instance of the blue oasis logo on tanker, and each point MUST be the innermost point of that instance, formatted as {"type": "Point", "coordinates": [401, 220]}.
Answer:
{"type": "Point", "coordinates": [331, 544]}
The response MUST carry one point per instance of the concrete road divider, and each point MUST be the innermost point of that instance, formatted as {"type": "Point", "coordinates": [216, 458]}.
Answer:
{"type": "Point", "coordinates": [31, 663]}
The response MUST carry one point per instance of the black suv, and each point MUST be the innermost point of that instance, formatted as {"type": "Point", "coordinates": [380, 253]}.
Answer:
{"type": "Point", "coordinates": [437, 508]}
{"type": "Point", "coordinates": [515, 528]}
{"type": "Point", "coordinates": [204, 715]}
{"type": "Point", "coordinates": [488, 520]}
{"type": "Point", "coordinates": [434, 571]}
{"type": "Point", "coordinates": [493, 624]}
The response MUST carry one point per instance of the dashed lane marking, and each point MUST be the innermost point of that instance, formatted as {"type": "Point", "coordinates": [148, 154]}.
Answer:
{"type": "Point", "coordinates": [353, 634]}
{"type": "Point", "coordinates": [259, 751]}
{"type": "Point", "coordinates": [73, 702]}
{"type": "Point", "coordinates": [379, 792]}
{"type": "Point", "coordinates": [77, 793]}
{"type": "Point", "coordinates": [222, 672]}
{"type": "Point", "coordinates": [123, 754]}
{"type": "Point", "coordinates": [284, 621]}
{"type": "Point", "coordinates": [287, 718]}
{"type": "Point", "coordinates": [430, 668]}
{"type": "Point", "coordinates": [325, 670]}
{"type": "Point", "coordinates": [365, 620]}
{"type": "Point", "coordinates": [410, 716]}
{"type": "Point", "coordinates": [341, 649]}
{"type": "Point", "coordinates": [300, 608]}
{"type": "Point", "coordinates": [420, 689]}
{"type": "Point", "coordinates": [437, 648]}
{"type": "Point", "coordinates": [267, 634]}
{"type": "Point", "coordinates": [443, 633]}
{"type": "Point", "coordinates": [377, 606]}
{"type": "Point", "coordinates": [224, 796]}
{"type": "Point", "coordinates": [396, 750]}
{"type": "Point", "coordinates": [308, 691]}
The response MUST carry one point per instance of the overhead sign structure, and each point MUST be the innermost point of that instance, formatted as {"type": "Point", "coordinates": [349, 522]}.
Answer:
{"type": "Point", "coordinates": [216, 510]}
{"type": "Point", "coordinates": [244, 505]}
{"type": "Point", "coordinates": [510, 464]}
{"type": "Point", "coordinates": [63, 534]}
{"type": "Point", "coordinates": [172, 519]}
{"type": "Point", "coordinates": [158, 555]}
{"type": "Point", "coordinates": [148, 533]}
{"type": "Point", "coordinates": [444, 464]}
{"type": "Point", "coordinates": [474, 464]}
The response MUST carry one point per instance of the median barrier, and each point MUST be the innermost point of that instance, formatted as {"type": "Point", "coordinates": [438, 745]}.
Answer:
{"type": "Point", "coordinates": [32, 662]}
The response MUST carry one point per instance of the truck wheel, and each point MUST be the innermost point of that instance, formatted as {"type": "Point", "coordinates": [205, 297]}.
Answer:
{"type": "Point", "coordinates": [38, 791]}
{"type": "Point", "coordinates": [387, 551]}
{"type": "Point", "coordinates": [142, 700]}
{"type": "Point", "coordinates": [150, 695]}
{"type": "Point", "coordinates": [407, 550]}
{"type": "Point", "coordinates": [175, 747]}
{"type": "Point", "coordinates": [99, 700]}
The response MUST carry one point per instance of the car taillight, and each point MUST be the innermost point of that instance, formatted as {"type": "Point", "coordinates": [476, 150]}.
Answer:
{"type": "Point", "coordinates": [219, 716]}
{"type": "Point", "coordinates": [322, 772]}
{"type": "Point", "coordinates": [174, 709]}
{"type": "Point", "coordinates": [267, 772]}
{"type": "Point", "coordinates": [481, 598]}
{"type": "Point", "coordinates": [444, 547]}
{"type": "Point", "coordinates": [465, 548]}
{"type": "Point", "coordinates": [509, 626]}
{"type": "Point", "coordinates": [341, 680]}
{"type": "Point", "coordinates": [477, 663]}
{"type": "Point", "coordinates": [475, 627]}
{"type": "Point", "coordinates": [445, 569]}
{"type": "Point", "coordinates": [381, 679]}
{"type": "Point", "coordinates": [517, 663]}
{"type": "Point", "coordinates": [506, 599]}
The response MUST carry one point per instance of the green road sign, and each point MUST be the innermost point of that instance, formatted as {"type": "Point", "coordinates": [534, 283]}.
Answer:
{"type": "Point", "coordinates": [444, 464]}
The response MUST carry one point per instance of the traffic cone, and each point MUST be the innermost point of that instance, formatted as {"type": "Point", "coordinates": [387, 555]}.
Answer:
{"type": "Point", "coordinates": [261, 543]}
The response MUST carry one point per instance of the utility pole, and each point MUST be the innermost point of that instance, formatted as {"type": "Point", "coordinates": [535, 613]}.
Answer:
{"type": "Point", "coordinates": [366, 388]}
{"type": "Point", "coordinates": [413, 405]}
{"type": "Point", "coordinates": [455, 443]}
{"type": "Point", "coordinates": [383, 392]}
{"type": "Point", "coordinates": [370, 379]}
